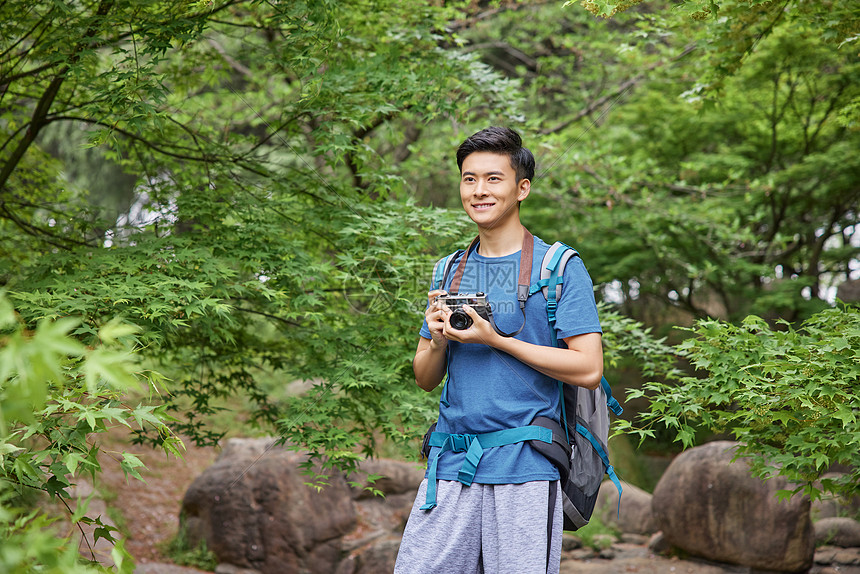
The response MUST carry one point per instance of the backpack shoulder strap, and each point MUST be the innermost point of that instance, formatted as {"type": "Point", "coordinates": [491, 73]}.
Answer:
{"type": "Point", "coordinates": [552, 276]}
{"type": "Point", "coordinates": [442, 269]}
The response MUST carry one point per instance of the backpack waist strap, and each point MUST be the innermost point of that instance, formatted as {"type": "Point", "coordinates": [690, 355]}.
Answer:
{"type": "Point", "coordinates": [474, 445]}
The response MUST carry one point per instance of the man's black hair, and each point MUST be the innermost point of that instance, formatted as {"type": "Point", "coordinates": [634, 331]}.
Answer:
{"type": "Point", "coordinates": [504, 141]}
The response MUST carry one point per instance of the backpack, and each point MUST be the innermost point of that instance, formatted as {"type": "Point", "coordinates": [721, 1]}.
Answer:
{"type": "Point", "coordinates": [578, 446]}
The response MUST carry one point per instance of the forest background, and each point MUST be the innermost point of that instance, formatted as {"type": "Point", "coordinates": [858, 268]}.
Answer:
{"type": "Point", "coordinates": [201, 202]}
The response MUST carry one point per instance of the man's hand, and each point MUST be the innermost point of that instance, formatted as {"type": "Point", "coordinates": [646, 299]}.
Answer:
{"type": "Point", "coordinates": [435, 317]}
{"type": "Point", "coordinates": [480, 331]}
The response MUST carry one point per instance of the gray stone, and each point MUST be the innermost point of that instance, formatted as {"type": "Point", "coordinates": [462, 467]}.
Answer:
{"type": "Point", "coordinates": [378, 556]}
{"type": "Point", "coordinates": [847, 557]}
{"type": "Point", "coordinates": [713, 508]}
{"type": "Point", "coordinates": [253, 510]}
{"type": "Point", "coordinates": [582, 554]}
{"type": "Point", "coordinates": [825, 555]}
{"type": "Point", "coordinates": [230, 569]}
{"type": "Point", "coordinates": [844, 532]}
{"type": "Point", "coordinates": [160, 568]}
{"type": "Point", "coordinates": [396, 477]}
{"type": "Point", "coordinates": [634, 515]}
{"type": "Point", "coordinates": [849, 291]}
{"type": "Point", "coordinates": [570, 542]}
{"type": "Point", "coordinates": [658, 544]}
{"type": "Point", "coordinates": [830, 506]}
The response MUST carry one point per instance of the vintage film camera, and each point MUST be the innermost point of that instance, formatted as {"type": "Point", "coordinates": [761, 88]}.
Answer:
{"type": "Point", "coordinates": [459, 319]}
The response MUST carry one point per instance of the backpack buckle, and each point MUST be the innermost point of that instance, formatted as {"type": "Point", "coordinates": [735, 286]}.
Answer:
{"type": "Point", "coordinates": [461, 442]}
{"type": "Point", "coordinates": [551, 306]}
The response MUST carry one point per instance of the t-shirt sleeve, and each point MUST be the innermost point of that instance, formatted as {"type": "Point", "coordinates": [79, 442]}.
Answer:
{"type": "Point", "coordinates": [577, 309]}
{"type": "Point", "coordinates": [425, 331]}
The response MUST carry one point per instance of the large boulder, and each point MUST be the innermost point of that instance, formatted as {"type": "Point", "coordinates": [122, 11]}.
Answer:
{"type": "Point", "coordinates": [634, 516]}
{"type": "Point", "coordinates": [838, 531]}
{"type": "Point", "coordinates": [711, 507]}
{"type": "Point", "coordinates": [253, 509]}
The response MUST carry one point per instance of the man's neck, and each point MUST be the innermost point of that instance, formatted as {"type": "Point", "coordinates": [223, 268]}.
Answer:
{"type": "Point", "coordinates": [501, 241]}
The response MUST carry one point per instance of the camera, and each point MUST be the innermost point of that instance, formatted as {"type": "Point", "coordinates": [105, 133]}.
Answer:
{"type": "Point", "coordinates": [460, 320]}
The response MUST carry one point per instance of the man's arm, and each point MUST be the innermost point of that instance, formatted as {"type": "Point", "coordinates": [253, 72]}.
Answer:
{"type": "Point", "coordinates": [580, 364]}
{"type": "Point", "coordinates": [429, 363]}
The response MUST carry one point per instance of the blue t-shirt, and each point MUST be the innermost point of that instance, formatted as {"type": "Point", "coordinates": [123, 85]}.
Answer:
{"type": "Point", "coordinates": [488, 390]}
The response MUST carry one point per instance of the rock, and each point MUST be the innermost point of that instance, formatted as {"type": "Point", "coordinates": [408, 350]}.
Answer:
{"type": "Point", "coordinates": [825, 555]}
{"type": "Point", "coordinates": [844, 532]}
{"type": "Point", "coordinates": [713, 508]}
{"type": "Point", "coordinates": [582, 554]}
{"type": "Point", "coordinates": [849, 291]}
{"type": "Point", "coordinates": [830, 506]}
{"type": "Point", "coordinates": [378, 556]}
{"type": "Point", "coordinates": [626, 551]}
{"type": "Point", "coordinates": [847, 557]}
{"type": "Point", "coordinates": [396, 477]}
{"type": "Point", "coordinates": [230, 569]}
{"type": "Point", "coordinates": [159, 568]}
{"type": "Point", "coordinates": [634, 516]}
{"type": "Point", "coordinates": [388, 513]}
{"type": "Point", "coordinates": [638, 539]}
{"type": "Point", "coordinates": [253, 510]}
{"type": "Point", "coordinates": [658, 544]}
{"type": "Point", "coordinates": [570, 542]}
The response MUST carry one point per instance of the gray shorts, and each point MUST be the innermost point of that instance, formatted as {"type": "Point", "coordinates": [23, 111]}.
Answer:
{"type": "Point", "coordinates": [493, 528]}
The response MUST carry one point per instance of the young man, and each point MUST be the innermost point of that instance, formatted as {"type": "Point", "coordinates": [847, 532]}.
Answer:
{"type": "Point", "coordinates": [495, 509]}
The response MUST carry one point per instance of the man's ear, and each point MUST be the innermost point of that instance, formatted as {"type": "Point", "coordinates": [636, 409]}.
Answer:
{"type": "Point", "coordinates": [525, 187]}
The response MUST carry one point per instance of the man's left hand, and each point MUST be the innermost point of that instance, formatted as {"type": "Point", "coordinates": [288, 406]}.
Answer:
{"type": "Point", "coordinates": [480, 331]}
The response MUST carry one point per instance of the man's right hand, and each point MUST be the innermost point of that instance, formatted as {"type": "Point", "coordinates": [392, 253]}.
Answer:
{"type": "Point", "coordinates": [435, 316]}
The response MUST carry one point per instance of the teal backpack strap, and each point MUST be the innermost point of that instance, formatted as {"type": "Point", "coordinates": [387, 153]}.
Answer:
{"type": "Point", "coordinates": [610, 470]}
{"type": "Point", "coordinates": [611, 401]}
{"type": "Point", "coordinates": [552, 269]}
{"type": "Point", "coordinates": [474, 445]}
{"type": "Point", "coordinates": [551, 278]}
{"type": "Point", "coordinates": [442, 268]}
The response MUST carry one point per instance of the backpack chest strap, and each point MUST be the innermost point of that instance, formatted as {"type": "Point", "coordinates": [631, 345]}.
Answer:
{"type": "Point", "coordinates": [474, 445]}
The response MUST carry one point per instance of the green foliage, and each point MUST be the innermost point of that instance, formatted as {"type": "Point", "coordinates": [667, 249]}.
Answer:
{"type": "Point", "coordinates": [183, 553]}
{"type": "Point", "coordinates": [788, 395]}
{"type": "Point", "coordinates": [270, 236]}
{"type": "Point", "coordinates": [597, 535]}
{"type": "Point", "coordinates": [272, 163]}
{"type": "Point", "coordinates": [736, 29]}
{"type": "Point", "coordinates": [57, 395]}
{"type": "Point", "coordinates": [683, 206]}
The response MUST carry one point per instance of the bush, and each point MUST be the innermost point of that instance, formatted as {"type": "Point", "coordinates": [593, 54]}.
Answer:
{"type": "Point", "coordinates": [788, 395]}
{"type": "Point", "coordinates": [57, 392]}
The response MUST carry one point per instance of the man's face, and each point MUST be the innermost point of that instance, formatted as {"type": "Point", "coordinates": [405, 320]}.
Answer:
{"type": "Point", "coordinates": [489, 189]}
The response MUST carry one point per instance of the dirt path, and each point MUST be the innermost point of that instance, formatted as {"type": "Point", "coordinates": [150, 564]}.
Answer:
{"type": "Point", "coordinates": [150, 510]}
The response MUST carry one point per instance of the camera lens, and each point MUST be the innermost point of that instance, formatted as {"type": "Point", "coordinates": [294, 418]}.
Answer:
{"type": "Point", "coordinates": [460, 320]}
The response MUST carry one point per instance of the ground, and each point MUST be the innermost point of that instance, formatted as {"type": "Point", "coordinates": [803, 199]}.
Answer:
{"type": "Point", "coordinates": [149, 511]}
{"type": "Point", "coordinates": [147, 514]}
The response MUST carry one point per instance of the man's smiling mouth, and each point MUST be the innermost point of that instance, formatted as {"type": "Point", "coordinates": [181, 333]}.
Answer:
{"type": "Point", "coordinates": [483, 205]}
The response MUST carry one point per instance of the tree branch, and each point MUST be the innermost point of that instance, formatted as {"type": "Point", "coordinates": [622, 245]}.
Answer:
{"type": "Point", "coordinates": [46, 101]}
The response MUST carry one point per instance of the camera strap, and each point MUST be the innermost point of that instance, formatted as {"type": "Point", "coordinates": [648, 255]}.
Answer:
{"type": "Point", "coordinates": [523, 283]}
